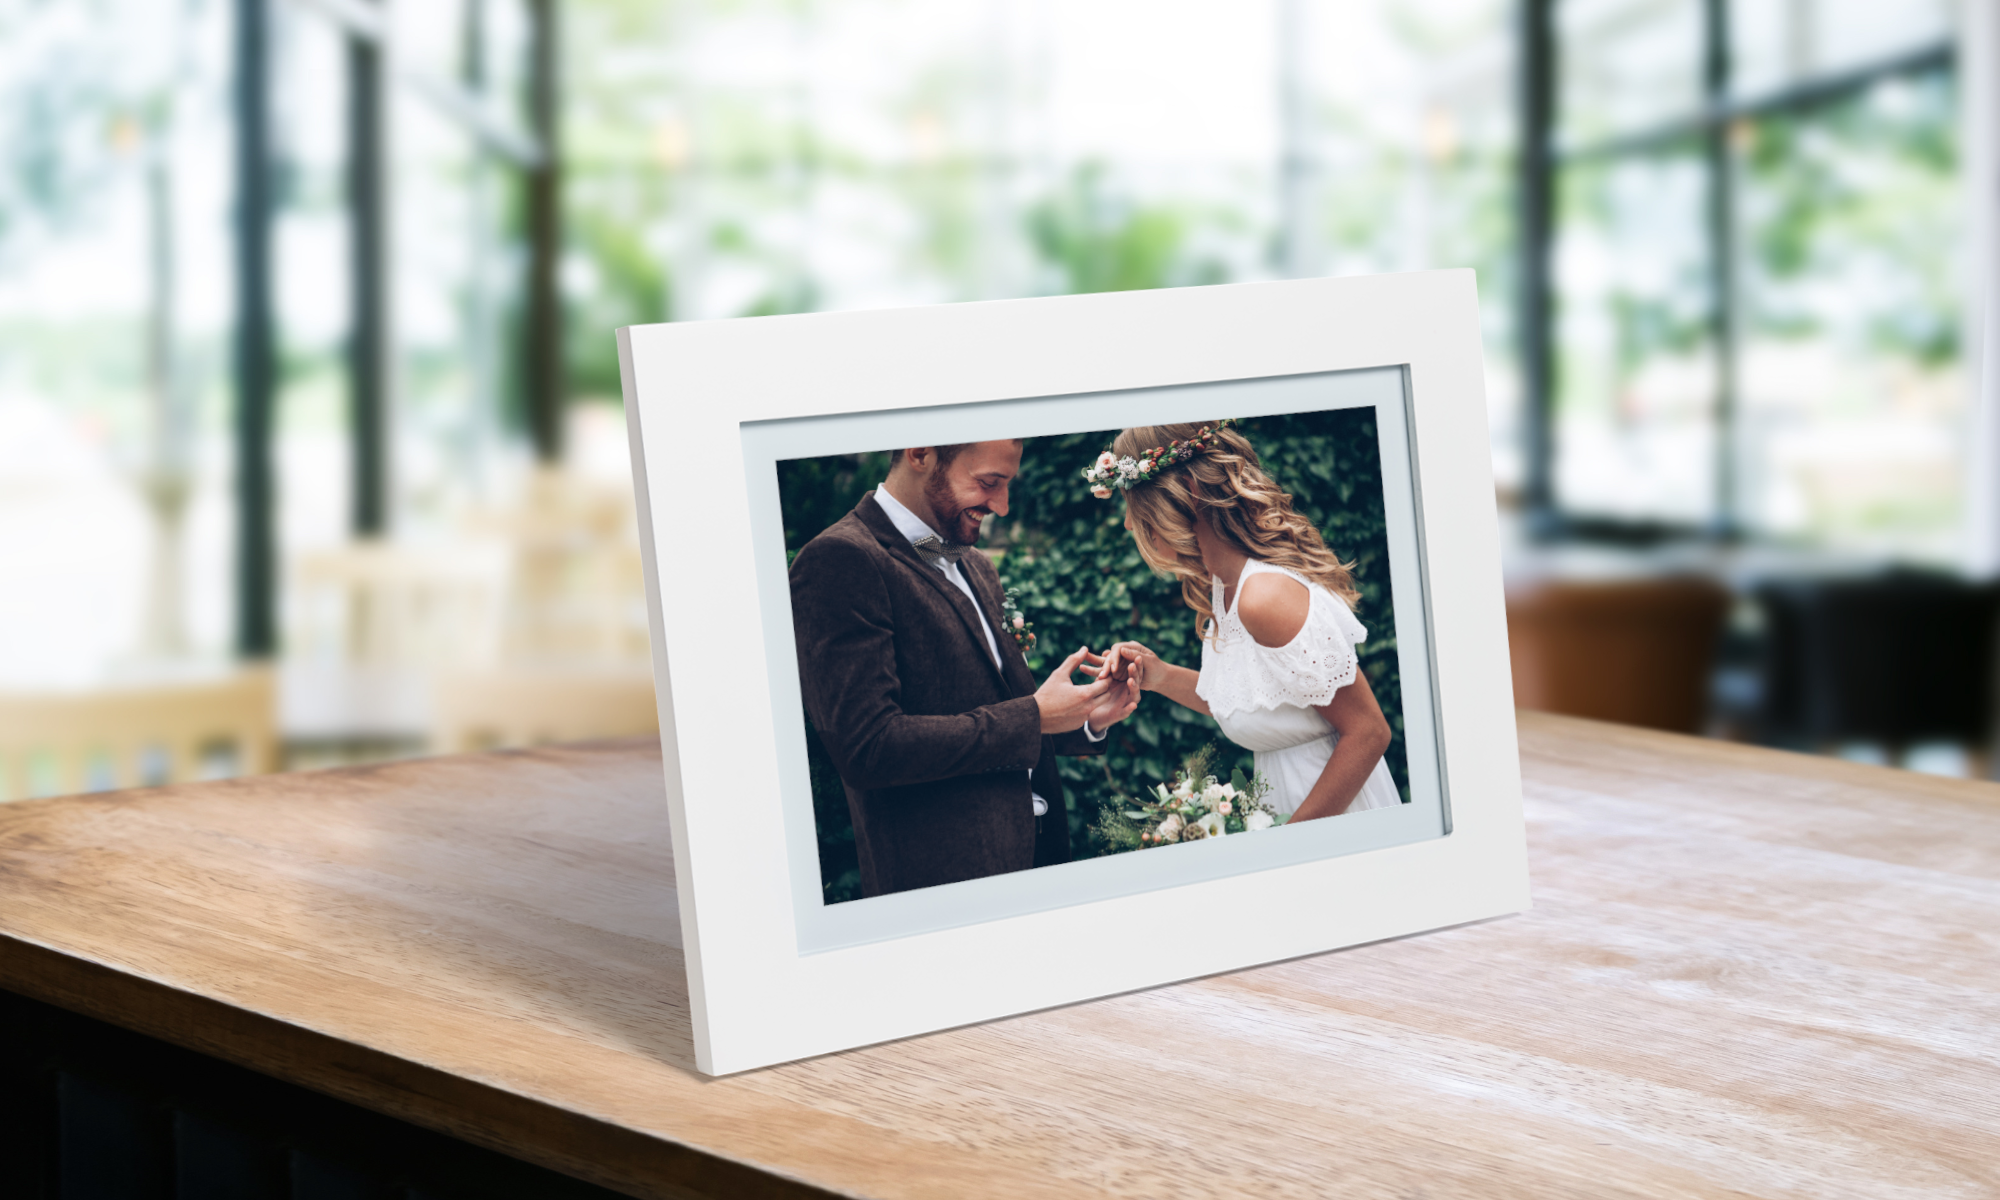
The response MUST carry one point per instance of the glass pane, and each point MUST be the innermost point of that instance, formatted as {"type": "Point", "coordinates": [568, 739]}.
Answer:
{"type": "Point", "coordinates": [1852, 393]}
{"type": "Point", "coordinates": [1635, 434]}
{"type": "Point", "coordinates": [115, 308]}
{"type": "Point", "coordinates": [1625, 66]}
{"type": "Point", "coordinates": [437, 237]}
{"type": "Point", "coordinates": [1780, 42]}
{"type": "Point", "coordinates": [313, 279]}
{"type": "Point", "coordinates": [431, 38]}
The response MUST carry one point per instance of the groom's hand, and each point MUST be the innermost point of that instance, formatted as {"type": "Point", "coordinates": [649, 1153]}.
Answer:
{"type": "Point", "coordinates": [1064, 705]}
{"type": "Point", "coordinates": [1116, 705]}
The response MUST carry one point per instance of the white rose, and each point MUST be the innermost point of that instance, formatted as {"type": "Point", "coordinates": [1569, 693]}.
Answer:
{"type": "Point", "coordinates": [1257, 820]}
{"type": "Point", "coordinates": [1145, 464]}
{"type": "Point", "coordinates": [1212, 825]}
{"type": "Point", "coordinates": [1106, 461]}
{"type": "Point", "coordinates": [1213, 793]}
{"type": "Point", "coordinates": [1169, 829]}
{"type": "Point", "coordinates": [1019, 620]}
{"type": "Point", "coordinates": [1101, 492]}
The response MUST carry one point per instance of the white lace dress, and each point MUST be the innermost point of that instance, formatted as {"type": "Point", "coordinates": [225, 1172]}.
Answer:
{"type": "Point", "coordinates": [1263, 696]}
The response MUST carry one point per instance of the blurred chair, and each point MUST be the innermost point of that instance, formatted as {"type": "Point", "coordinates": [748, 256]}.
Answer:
{"type": "Point", "coordinates": [378, 602]}
{"type": "Point", "coordinates": [1635, 651]}
{"type": "Point", "coordinates": [574, 658]}
{"type": "Point", "coordinates": [369, 622]}
{"type": "Point", "coordinates": [525, 706]}
{"type": "Point", "coordinates": [577, 591]}
{"type": "Point", "coordinates": [1897, 658]}
{"type": "Point", "coordinates": [139, 736]}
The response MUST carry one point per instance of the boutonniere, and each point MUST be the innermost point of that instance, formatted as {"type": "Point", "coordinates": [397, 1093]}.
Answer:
{"type": "Point", "coordinates": [1014, 621]}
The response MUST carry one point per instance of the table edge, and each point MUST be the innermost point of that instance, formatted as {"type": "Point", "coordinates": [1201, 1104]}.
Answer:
{"type": "Point", "coordinates": [602, 1153]}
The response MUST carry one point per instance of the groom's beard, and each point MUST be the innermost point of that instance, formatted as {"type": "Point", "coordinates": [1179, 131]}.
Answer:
{"type": "Point", "coordinates": [959, 526]}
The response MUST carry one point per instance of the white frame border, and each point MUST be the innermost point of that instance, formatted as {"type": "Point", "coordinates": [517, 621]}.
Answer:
{"type": "Point", "coordinates": [755, 998]}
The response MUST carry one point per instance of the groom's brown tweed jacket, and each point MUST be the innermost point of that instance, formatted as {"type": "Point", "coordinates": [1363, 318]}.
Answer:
{"type": "Point", "coordinates": [934, 743]}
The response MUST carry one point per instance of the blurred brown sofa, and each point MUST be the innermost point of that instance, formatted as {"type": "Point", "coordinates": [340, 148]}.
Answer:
{"type": "Point", "coordinates": [1635, 651]}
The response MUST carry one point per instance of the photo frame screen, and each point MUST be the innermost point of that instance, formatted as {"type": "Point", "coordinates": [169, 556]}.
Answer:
{"type": "Point", "coordinates": [1338, 443]}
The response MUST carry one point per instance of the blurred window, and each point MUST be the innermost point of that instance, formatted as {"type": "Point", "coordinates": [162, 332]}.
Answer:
{"type": "Point", "coordinates": [1755, 326]}
{"type": "Point", "coordinates": [1638, 363]}
{"type": "Point", "coordinates": [115, 309]}
{"type": "Point", "coordinates": [1850, 410]}
{"type": "Point", "coordinates": [1778, 43]}
{"type": "Point", "coordinates": [730, 158]}
{"type": "Point", "coordinates": [314, 283]}
{"type": "Point", "coordinates": [1626, 66]}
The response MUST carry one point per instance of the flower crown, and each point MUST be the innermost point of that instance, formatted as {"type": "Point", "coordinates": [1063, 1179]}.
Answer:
{"type": "Point", "coordinates": [1111, 471]}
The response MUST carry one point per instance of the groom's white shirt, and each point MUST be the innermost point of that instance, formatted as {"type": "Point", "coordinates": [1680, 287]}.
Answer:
{"type": "Point", "coordinates": [915, 528]}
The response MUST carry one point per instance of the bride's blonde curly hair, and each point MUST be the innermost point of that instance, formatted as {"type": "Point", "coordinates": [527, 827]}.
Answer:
{"type": "Point", "coordinates": [1226, 483]}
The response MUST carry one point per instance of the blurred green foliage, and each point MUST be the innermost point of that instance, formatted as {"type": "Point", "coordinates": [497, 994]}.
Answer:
{"type": "Point", "coordinates": [630, 287]}
{"type": "Point", "coordinates": [1082, 582]}
{"type": "Point", "coordinates": [75, 120]}
{"type": "Point", "coordinates": [1841, 208]}
{"type": "Point", "coordinates": [1100, 241]}
{"type": "Point", "coordinates": [1659, 299]}
{"type": "Point", "coordinates": [1860, 193]}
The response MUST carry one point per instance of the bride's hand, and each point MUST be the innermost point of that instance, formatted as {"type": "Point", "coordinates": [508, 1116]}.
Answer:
{"type": "Point", "coordinates": [1132, 660]}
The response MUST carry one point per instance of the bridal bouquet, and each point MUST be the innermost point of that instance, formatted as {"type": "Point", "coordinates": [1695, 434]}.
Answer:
{"type": "Point", "coordinates": [1192, 806]}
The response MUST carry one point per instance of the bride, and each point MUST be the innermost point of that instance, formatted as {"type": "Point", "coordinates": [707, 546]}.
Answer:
{"type": "Point", "coordinates": [1280, 672]}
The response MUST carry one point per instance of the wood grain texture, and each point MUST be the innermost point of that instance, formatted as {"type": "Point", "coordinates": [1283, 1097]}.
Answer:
{"type": "Point", "coordinates": [1746, 973]}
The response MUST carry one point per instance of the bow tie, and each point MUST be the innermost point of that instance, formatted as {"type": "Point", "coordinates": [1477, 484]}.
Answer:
{"type": "Point", "coordinates": [931, 548]}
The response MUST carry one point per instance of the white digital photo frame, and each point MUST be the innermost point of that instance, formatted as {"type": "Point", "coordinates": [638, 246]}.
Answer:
{"type": "Point", "coordinates": [774, 972]}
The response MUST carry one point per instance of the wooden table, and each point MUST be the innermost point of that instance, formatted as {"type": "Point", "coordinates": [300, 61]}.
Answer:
{"type": "Point", "coordinates": [1746, 973]}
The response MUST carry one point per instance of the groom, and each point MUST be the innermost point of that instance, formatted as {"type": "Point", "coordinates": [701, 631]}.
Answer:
{"type": "Point", "coordinates": [946, 745]}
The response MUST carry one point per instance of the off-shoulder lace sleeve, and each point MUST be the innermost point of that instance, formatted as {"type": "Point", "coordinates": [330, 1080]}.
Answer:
{"type": "Point", "coordinates": [1245, 676]}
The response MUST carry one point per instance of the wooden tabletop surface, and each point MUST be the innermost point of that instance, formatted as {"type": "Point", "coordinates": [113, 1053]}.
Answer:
{"type": "Point", "coordinates": [1746, 973]}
